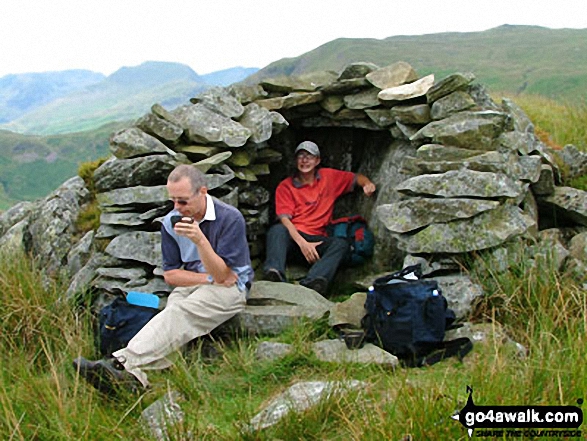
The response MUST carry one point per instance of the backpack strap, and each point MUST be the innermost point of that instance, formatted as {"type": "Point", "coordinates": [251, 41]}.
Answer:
{"type": "Point", "coordinates": [436, 352]}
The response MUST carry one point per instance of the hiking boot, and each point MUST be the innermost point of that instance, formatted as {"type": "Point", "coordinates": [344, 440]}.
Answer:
{"type": "Point", "coordinates": [107, 375]}
{"type": "Point", "coordinates": [319, 284]}
{"type": "Point", "coordinates": [272, 275]}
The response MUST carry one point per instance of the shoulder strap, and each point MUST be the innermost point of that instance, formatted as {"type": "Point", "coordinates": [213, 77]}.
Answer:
{"type": "Point", "coordinates": [436, 352]}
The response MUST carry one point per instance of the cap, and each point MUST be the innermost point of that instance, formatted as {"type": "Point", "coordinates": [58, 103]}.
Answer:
{"type": "Point", "coordinates": [308, 146]}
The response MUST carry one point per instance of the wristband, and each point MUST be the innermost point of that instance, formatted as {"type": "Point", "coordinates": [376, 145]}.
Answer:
{"type": "Point", "coordinates": [210, 279]}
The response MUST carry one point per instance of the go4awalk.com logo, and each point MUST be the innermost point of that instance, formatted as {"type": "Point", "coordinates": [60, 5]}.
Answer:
{"type": "Point", "coordinates": [527, 421]}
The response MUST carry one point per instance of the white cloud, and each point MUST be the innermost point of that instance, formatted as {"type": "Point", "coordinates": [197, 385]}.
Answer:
{"type": "Point", "coordinates": [209, 35]}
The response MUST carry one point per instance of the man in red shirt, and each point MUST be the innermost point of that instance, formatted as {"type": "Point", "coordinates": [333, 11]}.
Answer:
{"type": "Point", "coordinates": [304, 204]}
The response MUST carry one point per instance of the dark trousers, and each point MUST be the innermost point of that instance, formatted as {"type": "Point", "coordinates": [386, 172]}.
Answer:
{"type": "Point", "coordinates": [281, 247]}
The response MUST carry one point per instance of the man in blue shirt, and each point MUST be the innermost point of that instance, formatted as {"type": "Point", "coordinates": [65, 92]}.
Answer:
{"type": "Point", "coordinates": [206, 257]}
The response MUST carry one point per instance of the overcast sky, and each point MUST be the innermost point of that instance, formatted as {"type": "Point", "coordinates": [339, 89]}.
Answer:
{"type": "Point", "coordinates": [211, 35]}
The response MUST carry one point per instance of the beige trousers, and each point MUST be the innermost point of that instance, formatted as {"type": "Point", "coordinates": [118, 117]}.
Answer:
{"type": "Point", "coordinates": [190, 312]}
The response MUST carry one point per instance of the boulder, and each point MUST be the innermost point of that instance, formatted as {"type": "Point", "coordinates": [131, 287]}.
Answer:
{"type": "Point", "coordinates": [452, 83]}
{"type": "Point", "coordinates": [393, 75]}
{"type": "Point", "coordinates": [202, 124]}
{"type": "Point", "coordinates": [415, 213]}
{"type": "Point", "coordinates": [488, 229]}
{"type": "Point", "coordinates": [336, 351]}
{"type": "Point", "coordinates": [407, 91]}
{"type": "Point", "coordinates": [471, 130]}
{"type": "Point", "coordinates": [146, 170]}
{"type": "Point", "coordinates": [51, 229]}
{"type": "Point", "coordinates": [569, 202]}
{"type": "Point", "coordinates": [273, 307]}
{"type": "Point", "coordinates": [462, 183]}
{"type": "Point", "coordinates": [220, 100]}
{"type": "Point", "coordinates": [160, 128]}
{"type": "Point", "coordinates": [133, 142]}
{"type": "Point", "coordinates": [139, 246]}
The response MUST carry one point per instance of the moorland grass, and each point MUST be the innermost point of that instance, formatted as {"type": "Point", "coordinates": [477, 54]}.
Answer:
{"type": "Point", "coordinates": [41, 397]}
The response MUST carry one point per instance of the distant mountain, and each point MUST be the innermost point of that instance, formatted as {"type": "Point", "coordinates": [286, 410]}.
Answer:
{"type": "Point", "coordinates": [124, 95]}
{"type": "Point", "coordinates": [514, 59]}
{"type": "Point", "coordinates": [21, 93]}
{"type": "Point", "coordinates": [227, 77]}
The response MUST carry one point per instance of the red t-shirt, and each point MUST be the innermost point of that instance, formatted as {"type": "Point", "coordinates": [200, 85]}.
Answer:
{"type": "Point", "coordinates": [310, 207]}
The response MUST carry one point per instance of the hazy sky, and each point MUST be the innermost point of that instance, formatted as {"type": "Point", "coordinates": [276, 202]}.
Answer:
{"type": "Point", "coordinates": [210, 35]}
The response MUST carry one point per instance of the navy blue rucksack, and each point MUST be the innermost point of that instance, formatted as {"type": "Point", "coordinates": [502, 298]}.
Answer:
{"type": "Point", "coordinates": [119, 322]}
{"type": "Point", "coordinates": [408, 316]}
{"type": "Point", "coordinates": [361, 240]}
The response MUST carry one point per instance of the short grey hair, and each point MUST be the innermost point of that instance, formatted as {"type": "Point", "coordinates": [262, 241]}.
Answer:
{"type": "Point", "coordinates": [196, 177]}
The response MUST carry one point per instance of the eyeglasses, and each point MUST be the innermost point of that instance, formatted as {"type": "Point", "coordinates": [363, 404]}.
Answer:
{"type": "Point", "coordinates": [181, 201]}
{"type": "Point", "coordinates": [303, 156]}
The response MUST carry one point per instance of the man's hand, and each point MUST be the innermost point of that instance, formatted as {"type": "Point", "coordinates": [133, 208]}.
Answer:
{"type": "Point", "coordinates": [190, 230]}
{"type": "Point", "coordinates": [309, 250]}
{"type": "Point", "coordinates": [369, 188]}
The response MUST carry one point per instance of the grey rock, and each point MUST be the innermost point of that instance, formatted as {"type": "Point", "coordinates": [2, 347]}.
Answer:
{"type": "Point", "coordinates": [130, 196]}
{"type": "Point", "coordinates": [146, 171]}
{"type": "Point", "coordinates": [544, 186]}
{"type": "Point", "coordinates": [14, 215]}
{"type": "Point", "coordinates": [381, 117]}
{"type": "Point", "coordinates": [52, 228]}
{"type": "Point", "coordinates": [292, 100]}
{"type": "Point", "coordinates": [246, 94]}
{"type": "Point", "coordinates": [493, 162]}
{"type": "Point", "coordinates": [202, 124]}
{"type": "Point", "coordinates": [268, 350]}
{"type": "Point", "coordinates": [486, 230]}
{"type": "Point", "coordinates": [348, 313]}
{"type": "Point", "coordinates": [82, 280]}
{"type": "Point", "coordinates": [123, 273]}
{"type": "Point", "coordinates": [462, 183]}
{"type": "Point", "coordinates": [439, 152]}
{"type": "Point", "coordinates": [220, 100]}
{"type": "Point", "coordinates": [299, 398]}
{"type": "Point", "coordinates": [570, 202]}
{"type": "Point", "coordinates": [521, 121]}
{"type": "Point", "coordinates": [393, 75]}
{"type": "Point", "coordinates": [416, 114]}
{"type": "Point", "coordinates": [336, 351]}
{"type": "Point", "coordinates": [133, 142]}
{"type": "Point", "coordinates": [160, 128]}
{"type": "Point", "coordinates": [362, 100]}
{"type": "Point", "coordinates": [578, 247]}
{"type": "Point", "coordinates": [139, 246]}
{"type": "Point", "coordinates": [279, 123]}
{"type": "Point", "coordinates": [357, 70]}
{"type": "Point", "coordinates": [415, 213]}
{"type": "Point", "coordinates": [455, 102]}
{"type": "Point", "coordinates": [472, 130]}
{"type": "Point", "coordinates": [305, 83]}
{"type": "Point", "coordinates": [13, 240]}
{"type": "Point", "coordinates": [163, 414]}
{"type": "Point", "coordinates": [452, 83]}
{"type": "Point", "coordinates": [332, 103]}
{"type": "Point", "coordinates": [259, 121]}
{"type": "Point", "coordinates": [345, 87]}
{"type": "Point", "coordinates": [254, 196]}
{"type": "Point", "coordinates": [460, 293]}
{"type": "Point", "coordinates": [81, 252]}
{"type": "Point", "coordinates": [407, 91]}
{"type": "Point", "coordinates": [575, 161]}
{"type": "Point", "coordinates": [272, 307]}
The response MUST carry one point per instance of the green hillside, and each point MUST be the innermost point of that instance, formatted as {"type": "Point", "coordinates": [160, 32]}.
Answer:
{"type": "Point", "coordinates": [32, 166]}
{"type": "Point", "coordinates": [514, 59]}
{"type": "Point", "coordinates": [126, 94]}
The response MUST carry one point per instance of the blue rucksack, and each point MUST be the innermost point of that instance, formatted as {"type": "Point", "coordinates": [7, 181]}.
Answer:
{"type": "Point", "coordinates": [361, 240]}
{"type": "Point", "coordinates": [407, 315]}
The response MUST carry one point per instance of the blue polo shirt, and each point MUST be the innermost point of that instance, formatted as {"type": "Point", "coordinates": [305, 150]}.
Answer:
{"type": "Point", "coordinates": [224, 227]}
